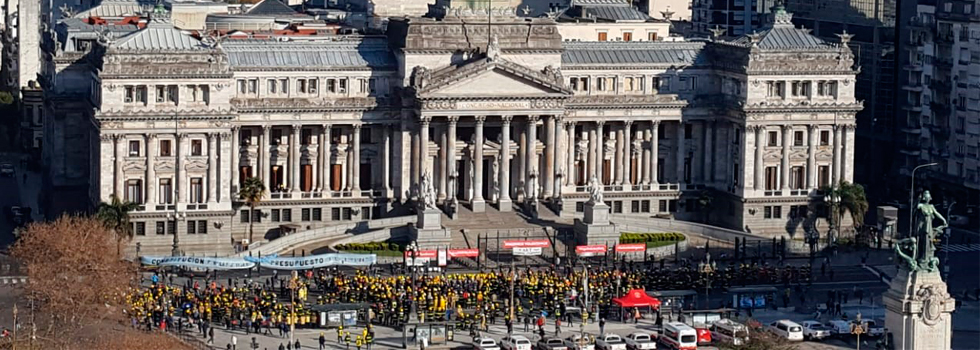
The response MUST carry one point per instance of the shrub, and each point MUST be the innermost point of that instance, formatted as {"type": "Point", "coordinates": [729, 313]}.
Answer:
{"type": "Point", "coordinates": [370, 247]}
{"type": "Point", "coordinates": [650, 237]}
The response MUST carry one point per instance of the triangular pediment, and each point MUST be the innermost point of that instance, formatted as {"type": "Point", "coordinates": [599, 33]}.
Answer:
{"type": "Point", "coordinates": [493, 79]}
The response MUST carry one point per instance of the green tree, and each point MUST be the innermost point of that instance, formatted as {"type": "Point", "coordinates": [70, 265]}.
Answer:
{"type": "Point", "coordinates": [115, 216]}
{"type": "Point", "coordinates": [251, 192]}
{"type": "Point", "coordinates": [847, 198]}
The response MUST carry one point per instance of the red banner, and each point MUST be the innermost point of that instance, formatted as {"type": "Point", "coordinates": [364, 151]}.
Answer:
{"type": "Point", "coordinates": [537, 243]}
{"type": "Point", "coordinates": [631, 248]}
{"type": "Point", "coordinates": [464, 253]}
{"type": "Point", "coordinates": [422, 254]}
{"type": "Point", "coordinates": [590, 249]}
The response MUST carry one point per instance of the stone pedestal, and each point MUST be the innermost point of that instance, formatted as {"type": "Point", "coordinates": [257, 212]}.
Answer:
{"type": "Point", "coordinates": [595, 228]}
{"type": "Point", "coordinates": [505, 205]}
{"type": "Point", "coordinates": [917, 311]}
{"type": "Point", "coordinates": [478, 205]}
{"type": "Point", "coordinates": [428, 231]}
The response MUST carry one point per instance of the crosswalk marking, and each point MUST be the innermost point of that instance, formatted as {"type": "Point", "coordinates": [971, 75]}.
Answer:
{"type": "Point", "coordinates": [957, 248]}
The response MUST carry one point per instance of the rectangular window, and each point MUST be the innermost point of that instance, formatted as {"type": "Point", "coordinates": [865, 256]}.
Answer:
{"type": "Point", "coordinates": [161, 92]}
{"type": "Point", "coordinates": [274, 215]}
{"type": "Point", "coordinates": [134, 148]}
{"type": "Point", "coordinates": [197, 147]}
{"type": "Point", "coordinates": [663, 206]}
{"type": "Point", "coordinates": [244, 216]}
{"type": "Point", "coordinates": [824, 137]}
{"type": "Point", "coordinates": [335, 214]}
{"type": "Point", "coordinates": [166, 191]}
{"type": "Point", "coordinates": [332, 86]}
{"type": "Point", "coordinates": [276, 137]}
{"type": "Point", "coordinates": [191, 227]}
{"type": "Point", "coordinates": [284, 86]}
{"type": "Point", "coordinates": [767, 212]}
{"type": "Point", "coordinates": [257, 216]}
{"type": "Point", "coordinates": [134, 191]}
{"type": "Point", "coordinates": [197, 190]}
{"type": "Point", "coordinates": [780, 89]}
{"type": "Point", "coordinates": [253, 86]}
{"type": "Point", "coordinates": [603, 36]}
{"type": "Point", "coordinates": [797, 138]}
{"type": "Point", "coordinates": [140, 229]}
{"type": "Point", "coordinates": [171, 227]}
{"type": "Point", "coordinates": [777, 212]}
{"type": "Point", "coordinates": [301, 85]}
{"type": "Point", "coordinates": [317, 214]}
{"type": "Point", "coordinates": [805, 89]}
{"type": "Point", "coordinates": [272, 86]}
{"type": "Point", "coordinates": [795, 89]}
{"type": "Point", "coordinates": [345, 214]}
{"type": "Point", "coordinates": [165, 150]}
{"type": "Point", "coordinates": [130, 94]}
{"type": "Point", "coordinates": [287, 215]}
{"type": "Point", "coordinates": [172, 93]}
{"type": "Point", "coordinates": [202, 227]}
{"type": "Point", "coordinates": [773, 139]}
{"type": "Point", "coordinates": [796, 178]}
{"type": "Point", "coordinates": [627, 36]}
{"type": "Point", "coordinates": [141, 93]}
{"type": "Point", "coordinates": [241, 86]}
{"type": "Point", "coordinates": [312, 86]}
{"type": "Point", "coordinates": [343, 86]}
{"type": "Point", "coordinates": [160, 227]}
{"type": "Point", "coordinates": [652, 36]}
{"type": "Point", "coordinates": [306, 136]}
{"type": "Point", "coordinates": [305, 214]}
{"type": "Point", "coordinates": [772, 178]}
{"type": "Point", "coordinates": [655, 82]}
{"type": "Point", "coordinates": [824, 175]}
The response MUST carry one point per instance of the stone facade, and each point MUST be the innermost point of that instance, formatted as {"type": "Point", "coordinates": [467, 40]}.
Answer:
{"type": "Point", "coordinates": [342, 128]}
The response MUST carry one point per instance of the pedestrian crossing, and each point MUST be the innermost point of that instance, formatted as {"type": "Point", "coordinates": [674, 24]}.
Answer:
{"type": "Point", "coordinates": [960, 248]}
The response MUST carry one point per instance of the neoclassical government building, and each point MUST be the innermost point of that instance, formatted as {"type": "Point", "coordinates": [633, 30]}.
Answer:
{"type": "Point", "coordinates": [341, 128]}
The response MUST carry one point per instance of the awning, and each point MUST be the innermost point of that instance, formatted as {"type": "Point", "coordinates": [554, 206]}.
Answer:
{"type": "Point", "coordinates": [637, 298]}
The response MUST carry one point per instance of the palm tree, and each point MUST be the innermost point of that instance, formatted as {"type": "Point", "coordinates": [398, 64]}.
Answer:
{"type": "Point", "coordinates": [251, 192]}
{"type": "Point", "coordinates": [115, 216]}
{"type": "Point", "coordinates": [847, 198]}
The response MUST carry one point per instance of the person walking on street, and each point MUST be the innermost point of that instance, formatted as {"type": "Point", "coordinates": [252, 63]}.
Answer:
{"type": "Point", "coordinates": [557, 327]}
{"type": "Point", "coordinates": [602, 326]}
{"type": "Point", "coordinates": [234, 342]}
{"type": "Point", "coordinates": [323, 341]}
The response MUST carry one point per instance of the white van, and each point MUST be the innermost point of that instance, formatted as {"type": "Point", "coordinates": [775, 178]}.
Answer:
{"type": "Point", "coordinates": [729, 331]}
{"type": "Point", "coordinates": [787, 329]}
{"type": "Point", "coordinates": [679, 336]}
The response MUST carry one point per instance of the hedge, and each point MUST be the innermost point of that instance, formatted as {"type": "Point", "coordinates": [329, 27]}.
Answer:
{"type": "Point", "coordinates": [371, 247]}
{"type": "Point", "coordinates": [651, 237]}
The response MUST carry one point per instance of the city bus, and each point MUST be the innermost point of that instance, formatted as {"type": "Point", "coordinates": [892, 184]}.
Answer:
{"type": "Point", "coordinates": [677, 335]}
{"type": "Point", "coordinates": [729, 331]}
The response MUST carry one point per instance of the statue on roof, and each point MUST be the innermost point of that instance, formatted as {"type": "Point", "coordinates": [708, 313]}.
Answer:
{"type": "Point", "coordinates": [493, 49]}
{"type": "Point", "coordinates": [420, 77]}
{"type": "Point", "coordinates": [554, 74]}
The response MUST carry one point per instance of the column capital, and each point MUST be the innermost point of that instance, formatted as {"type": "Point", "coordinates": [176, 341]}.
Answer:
{"type": "Point", "coordinates": [266, 128]}
{"type": "Point", "coordinates": [533, 118]}
{"type": "Point", "coordinates": [506, 119]}
{"type": "Point", "coordinates": [152, 136]}
{"type": "Point", "coordinates": [453, 119]}
{"type": "Point", "coordinates": [850, 127]}
{"type": "Point", "coordinates": [600, 123]}
{"type": "Point", "coordinates": [225, 136]}
{"type": "Point", "coordinates": [812, 127]}
{"type": "Point", "coordinates": [296, 127]}
{"type": "Point", "coordinates": [559, 117]}
{"type": "Point", "coordinates": [655, 123]}
{"type": "Point", "coordinates": [480, 119]}
{"type": "Point", "coordinates": [425, 119]}
{"type": "Point", "coordinates": [755, 128]}
{"type": "Point", "coordinates": [787, 127]}
{"type": "Point", "coordinates": [628, 123]}
{"type": "Point", "coordinates": [357, 126]}
{"type": "Point", "coordinates": [182, 135]}
{"type": "Point", "coordinates": [326, 126]}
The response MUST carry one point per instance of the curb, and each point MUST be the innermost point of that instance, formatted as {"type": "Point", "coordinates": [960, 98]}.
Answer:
{"type": "Point", "coordinates": [878, 273]}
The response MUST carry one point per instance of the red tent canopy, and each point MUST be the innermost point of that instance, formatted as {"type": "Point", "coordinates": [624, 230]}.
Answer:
{"type": "Point", "coordinates": [637, 298]}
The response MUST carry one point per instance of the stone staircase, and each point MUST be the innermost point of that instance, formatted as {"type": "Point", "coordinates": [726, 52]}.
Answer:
{"type": "Point", "coordinates": [515, 224]}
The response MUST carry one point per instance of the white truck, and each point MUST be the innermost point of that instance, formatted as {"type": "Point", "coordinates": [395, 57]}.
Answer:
{"type": "Point", "coordinates": [814, 330]}
{"type": "Point", "coordinates": [640, 341]}
{"type": "Point", "coordinates": [610, 341]}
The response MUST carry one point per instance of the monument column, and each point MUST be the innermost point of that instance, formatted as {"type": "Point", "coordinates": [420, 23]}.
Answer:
{"type": "Point", "coordinates": [235, 159]}
{"type": "Point", "coordinates": [478, 204]}
{"type": "Point", "coordinates": [212, 167]}
{"type": "Point", "coordinates": [811, 159]}
{"type": "Point", "coordinates": [504, 202]}
{"type": "Point", "coordinates": [679, 144]}
{"type": "Point", "coordinates": [759, 148]}
{"type": "Point", "coordinates": [549, 156]}
{"type": "Point", "coordinates": [151, 182]}
{"type": "Point", "coordinates": [294, 156]}
{"type": "Point", "coordinates": [451, 152]}
{"type": "Point", "coordinates": [263, 161]}
{"type": "Point", "coordinates": [532, 159]}
{"type": "Point", "coordinates": [784, 172]}
{"type": "Point", "coordinates": [654, 152]}
{"type": "Point", "coordinates": [627, 154]}
{"type": "Point", "coordinates": [356, 166]}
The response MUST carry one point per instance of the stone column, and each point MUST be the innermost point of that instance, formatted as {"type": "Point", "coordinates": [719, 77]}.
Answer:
{"type": "Point", "coordinates": [213, 168]}
{"type": "Point", "coordinates": [325, 170]}
{"type": "Point", "coordinates": [600, 151]}
{"type": "Point", "coordinates": [706, 162]}
{"type": "Point", "coordinates": [294, 156]}
{"type": "Point", "coordinates": [645, 169]}
{"type": "Point", "coordinates": [521, 131]}
{"type": "Point", "coordinates": [451, 152]}
{"type": "Point", "coordinates": [784, 172]}
{"type": "Point", "coordinates": [811, 160]}
{"type": "Point", "coordinates": [386, 159]}
{"type": "Point", "coordinates": [264, 159]}
{"type": "Point", "coordinates": [532, 159]}
{"type": "Point", "coordinates": [504, 203]}
{"type": "Point", "coordinates": [679, 144]}
{"type": "Point", "coordinates": [119, 149]}
{"type": "Point", "coordinates": [236, 171]}
{"type": "Point", "coordinates": [591, 166]}
{"type": "Point", "coordinates": [549, 156]}
{"type": "Point", "coordinates": [416, 154]}
{"type": "Point", "coordinates": [570, 171]}
{"type": "Point", "coordinates": [627, 154]}
{"type": "Point", "coordinates": [478, 204]}
{"type": "Point", "coordinates": [759, 150]}
{"type": "Point", "coordinates": [838, 130]}
{"type": "Point", "coordinates": [356, 166]}
{"type": "Point", "coordinates": [424, 145]}
{"type": "Point", "coordinates": [560, 154]}
{"type": "Point", "coordinates": [618, 156]}
{"type": "Point", "coordinates": [655, 152]}
{"type": "Point", "coordinates": [443, 173]}
{"type": "Point", "coordinates": [151, 182]}
{"type": "Point", "coordinates": [847, 158]}
{"type": "Point", "coordinates": [179, 168]}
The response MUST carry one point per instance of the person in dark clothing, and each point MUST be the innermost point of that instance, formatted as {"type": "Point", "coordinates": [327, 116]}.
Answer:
{"type": "Point", "coordinates": [297, 345]}
{"type": "Point", "coordinates": [527, 323]}
{"type": "Point", "coordinates": [323, 341]}
{"type": "Point", "coordinates": [602, 326]}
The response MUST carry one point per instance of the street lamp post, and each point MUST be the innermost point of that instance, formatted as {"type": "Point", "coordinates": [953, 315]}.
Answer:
{"type": "Point", "coordinates": [293, 285]}
{"type": "Point", "coordinates": [949, 237]}
{"type": "Point", "coordinates": [176, 245]}
{"type": "Point", "coordinates": [707, 268]}
{"type": "Point", "coordinates": [176, 216]}
{"type": "Point", "coordinates": [912, 194]}
{"type": "Point", "coordinates": [834, 199]}
{"type": "Point", "coordinates": [413, 252]}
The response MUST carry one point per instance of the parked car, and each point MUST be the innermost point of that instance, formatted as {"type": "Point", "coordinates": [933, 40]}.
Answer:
{"type": "Point", "coordinates": [838, 327]}
{"type": "Point", "coordinates": [484, 343]}
{"type": "Point", "coordinates": [7, 170]}
{"type": "Point", "coordinates": [610, 341]}
{"type": "Point", "coordinates": [515, 342]}
{"type": "Point", "coordinates": [578, 342]}
{"type": "Point", "coordinates": [814, 330]}
{"type": "Point", "coordinates": [874, 329]}
{"type": "Point", "coordinates": [549, 343]}
{"type": "Point", "coordinates": [640, 341]}
{"type": "Point", "coordinates": [786, 329]}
